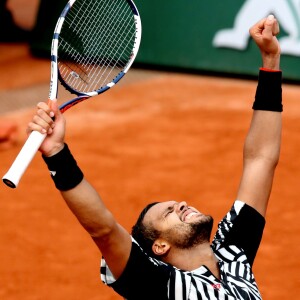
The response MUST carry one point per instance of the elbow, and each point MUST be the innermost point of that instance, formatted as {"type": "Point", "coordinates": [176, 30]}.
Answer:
{"type": "Point", "coordinates": [100, 233]}
{"type": "Point", "coordinates": [101, 229]}
{"type": "Point", "coordinates": [269, 160]}
{"type": "Point", "coordinates": [262, 151]}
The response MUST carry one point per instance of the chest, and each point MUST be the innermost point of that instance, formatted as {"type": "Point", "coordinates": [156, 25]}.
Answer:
{"type": "Point", "coordinates": [235, 281]}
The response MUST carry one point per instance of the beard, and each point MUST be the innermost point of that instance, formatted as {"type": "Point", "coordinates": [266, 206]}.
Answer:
{"type": "Point", "coordinates": [188, 235]}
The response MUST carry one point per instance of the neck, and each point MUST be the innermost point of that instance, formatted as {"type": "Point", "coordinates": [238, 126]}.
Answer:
{"type": "Point", "coordinates": [193, 258]}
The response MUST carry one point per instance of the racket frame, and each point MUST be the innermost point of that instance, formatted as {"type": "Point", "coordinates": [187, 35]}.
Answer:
{"type": "Point", "coordinates": [35, 139]}
{"type": "Point", "coordinates": [84, 96]}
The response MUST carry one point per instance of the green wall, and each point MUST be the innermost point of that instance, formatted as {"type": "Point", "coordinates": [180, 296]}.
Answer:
{"type": "Point", "coordinates": [180, 34]}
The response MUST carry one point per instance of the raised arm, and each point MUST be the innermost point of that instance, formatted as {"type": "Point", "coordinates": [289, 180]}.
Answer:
{"type": "Point", "coordinates": [113, 240]}
{"type": "Point", "coordinates": [262, 144]}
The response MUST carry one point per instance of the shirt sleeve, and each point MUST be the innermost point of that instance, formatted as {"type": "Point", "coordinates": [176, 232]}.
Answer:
{"type": "Point", "coordinates": [142, 273]}
{"type": "Point", "coordinates": [243, 227]}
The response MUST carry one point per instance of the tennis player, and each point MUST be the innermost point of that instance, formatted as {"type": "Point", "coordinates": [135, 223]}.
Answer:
{"type": "Point", "coordinates": [169, 255]}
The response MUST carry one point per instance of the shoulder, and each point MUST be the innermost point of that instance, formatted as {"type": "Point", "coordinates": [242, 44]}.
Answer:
{"type": "Point", "coordinates": [243, 227]}
{"type": "Point", "coordinates": [240, 213]}
{"type": "Point", "coordinates": [141, 273]}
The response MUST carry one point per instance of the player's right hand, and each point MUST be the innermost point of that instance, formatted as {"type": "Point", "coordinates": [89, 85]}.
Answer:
{"type": "Point", "coordinates": [50, 121]}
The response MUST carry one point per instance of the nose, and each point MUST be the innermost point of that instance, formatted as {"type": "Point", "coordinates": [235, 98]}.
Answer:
{"type": "Point", "coordinates": [181, 206]}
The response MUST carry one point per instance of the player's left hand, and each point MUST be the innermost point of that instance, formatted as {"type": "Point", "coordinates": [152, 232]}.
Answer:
{"type": "Point", "coordinates": [264, 34]}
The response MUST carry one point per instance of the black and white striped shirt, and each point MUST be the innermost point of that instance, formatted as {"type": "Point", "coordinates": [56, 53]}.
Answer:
{"type": "Point", "coordinates": [235, 245]}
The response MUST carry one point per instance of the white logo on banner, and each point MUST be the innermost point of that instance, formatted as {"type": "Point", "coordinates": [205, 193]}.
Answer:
{"type": "Point", "coordinates": [286, 11]}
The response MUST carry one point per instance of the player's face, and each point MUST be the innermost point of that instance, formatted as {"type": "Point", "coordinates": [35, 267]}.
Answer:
{"type": "Point", "coordinates": [181, 225]}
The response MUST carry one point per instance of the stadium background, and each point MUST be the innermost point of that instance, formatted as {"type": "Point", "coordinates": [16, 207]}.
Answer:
{"type": "Point", "coordinates": [159, 135]}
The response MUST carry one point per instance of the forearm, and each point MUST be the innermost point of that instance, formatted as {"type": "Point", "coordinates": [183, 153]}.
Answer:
{"type": "Point", "coordinates": [113, 240]}
{"type": "Point", "coordinates": [79, 195]}
{"type": "Point", "coordinates": [89, 209]}
{"type": "Point", "coordinates": [262, 144]}
{"type": "Point", "coordinates": [261, 155]}
{"type": "Point", "coordinates": [264, 137]}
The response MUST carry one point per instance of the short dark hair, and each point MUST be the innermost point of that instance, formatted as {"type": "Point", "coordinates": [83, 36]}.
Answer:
{"type": "Point", "coordinates": [145, 235]}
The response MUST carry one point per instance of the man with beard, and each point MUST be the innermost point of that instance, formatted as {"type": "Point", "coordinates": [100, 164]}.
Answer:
{"type": "Point", "coordinates": [169, 254]}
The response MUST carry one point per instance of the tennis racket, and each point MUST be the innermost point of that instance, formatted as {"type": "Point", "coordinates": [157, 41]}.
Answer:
{"type": "Point", "coordinates": [94, 44]}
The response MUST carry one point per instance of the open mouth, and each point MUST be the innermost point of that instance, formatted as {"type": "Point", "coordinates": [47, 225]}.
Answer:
{"type": "Point", "coordinates": [188, 214]}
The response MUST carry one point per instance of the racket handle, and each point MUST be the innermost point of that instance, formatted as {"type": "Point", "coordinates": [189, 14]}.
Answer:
{"type": "Point", "coordinates": [22, 161]}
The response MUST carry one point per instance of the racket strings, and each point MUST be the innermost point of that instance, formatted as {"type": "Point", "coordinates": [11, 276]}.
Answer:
{"type": "Point", "coordinates": [103, 41]}
{"type": "Point", "coordinates": [123, 51]}
{"type": "Point", "coordinates": [94, 48]}
{"type": "Point", "coordinates": [103, 62]}
{"type": "Point", "coordinates": [118, 38]}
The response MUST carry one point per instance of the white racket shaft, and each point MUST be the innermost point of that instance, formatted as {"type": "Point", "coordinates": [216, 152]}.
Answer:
{"type": "Point", "coordinates": [35, 139]}
{"type": "Point", "coordinates": [25, 156]}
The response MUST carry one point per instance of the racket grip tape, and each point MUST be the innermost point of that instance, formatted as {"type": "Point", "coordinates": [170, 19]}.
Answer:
{"type": "Point", "coordinates": [24, 158]}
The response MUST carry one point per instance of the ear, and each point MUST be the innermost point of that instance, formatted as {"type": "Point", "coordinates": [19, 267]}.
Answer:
{"type": "Point", "coordinates": [160, 247]}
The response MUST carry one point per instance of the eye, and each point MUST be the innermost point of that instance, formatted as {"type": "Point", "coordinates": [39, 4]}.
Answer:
{"type": "Point", "coordinates": [169, 211]}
